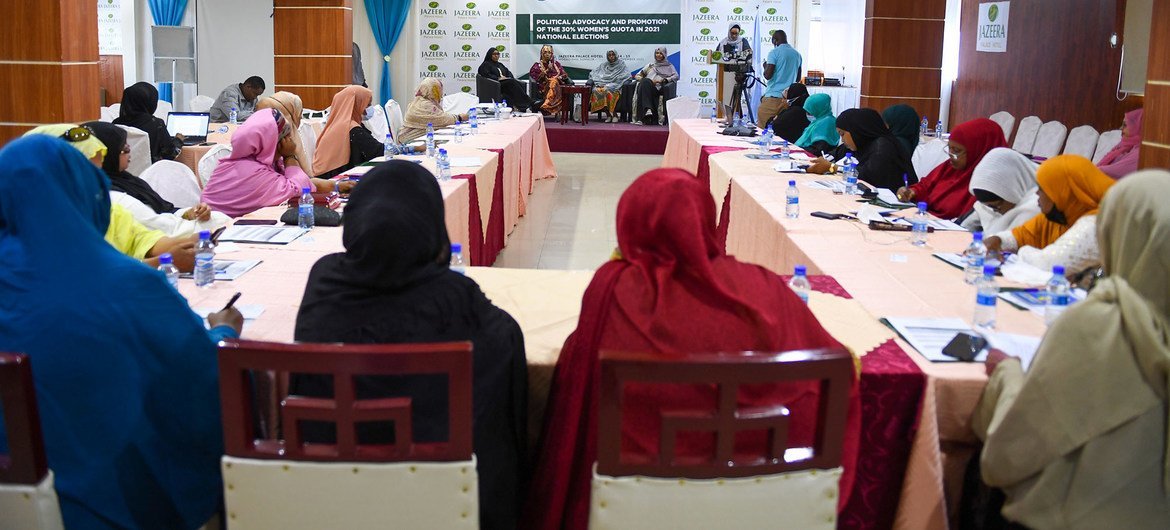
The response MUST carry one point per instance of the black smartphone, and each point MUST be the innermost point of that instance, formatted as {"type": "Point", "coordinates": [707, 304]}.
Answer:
{"type": "Point", "coordinates": [242, 222]}
{"type": "Point", "coordinates": [826, 215]}
{"type": "Point", "coordinates": [965, 346]}
{"type": "Point", "coordinates": [215, 235]}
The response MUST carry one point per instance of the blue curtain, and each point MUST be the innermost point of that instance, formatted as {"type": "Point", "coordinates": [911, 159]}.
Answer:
{"type": "Point", "coordinates": [387, 18]}
{"type": "Point", "coordinates": [167, 13]}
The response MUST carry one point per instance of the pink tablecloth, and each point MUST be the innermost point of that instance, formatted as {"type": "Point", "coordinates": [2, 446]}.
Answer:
{"type": "Point", "coordinates": [527, 158]}
{"type": "Point", "coordinates": [687, 139]}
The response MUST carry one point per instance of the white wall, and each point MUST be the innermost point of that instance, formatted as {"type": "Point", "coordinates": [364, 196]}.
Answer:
{"type": "Point", "coordinates": [234, 39]}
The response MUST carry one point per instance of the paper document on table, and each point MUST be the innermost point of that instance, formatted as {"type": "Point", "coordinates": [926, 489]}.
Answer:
{"type": "Point", "coordinates": [930, 335]}
{"type": "Point", "coordinates": [869, 213]}
{"type": "Point", "coordinates": [935, 223]}
{"type": "Point", "coordinates": [1034, 299]}
{"type": "Point", "coordinates": [274, 235]}
{"type": "Point", "coordinates": [228, 270]}
{"type": "Point", "coordinates": [834, 186]}
{"type": "Point", "coordinates": [888, 197]}
{"type": "Point", "coordinates": [465, 161]}
{"type": "Point", "coordinates": [1022, 347]}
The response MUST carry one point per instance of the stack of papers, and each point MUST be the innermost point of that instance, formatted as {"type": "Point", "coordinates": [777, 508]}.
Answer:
{"type": "Point", "coordinates": [930, 335]}
{"type": "Point", "coordinates": [834, 186]}
{"type": "Point", "coordinates": [275, 235]}
{"type": "Point", "coordinates": [935, 223]}
{"type": "Point", "coordinates": [889, 198]}
{"type": "Point", "coordinates": [1033, 299]}
{"type": "Point", "coordinates": [228, 270]}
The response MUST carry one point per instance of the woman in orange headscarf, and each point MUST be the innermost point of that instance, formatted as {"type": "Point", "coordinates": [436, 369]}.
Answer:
{"type": "Point", "coordinates": [345, 142]}
{"type": "Point", "coordinates": [1065, 231]}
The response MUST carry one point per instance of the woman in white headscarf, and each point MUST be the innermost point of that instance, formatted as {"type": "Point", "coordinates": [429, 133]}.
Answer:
{"type": "Point", "coordinates": [1004, 186]}
{"type": "Point", "coordinates": [658, 78]}
{"type": "Point", "coordinates": [607, 81]}
{"type": "Point", "coordinates": [733, 43]}
{"type": "Point", "coordinates": [1080, 440]}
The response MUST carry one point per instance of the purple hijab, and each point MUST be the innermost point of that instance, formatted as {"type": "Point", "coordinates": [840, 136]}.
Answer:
{"type": "Point", "coordinates": [253, 177]}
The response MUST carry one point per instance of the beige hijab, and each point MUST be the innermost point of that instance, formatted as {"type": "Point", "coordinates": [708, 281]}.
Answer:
{"type": "Point", "coordinates": [289, 105]}
{"type": "Point", "coordinates": [427, 107]}
{"type": "Point", "coordinates": [345, 113]}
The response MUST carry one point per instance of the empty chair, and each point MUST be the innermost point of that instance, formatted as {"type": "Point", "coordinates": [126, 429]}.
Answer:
{"type": "Point", "coordinates": [286, 483]}
{"type": "Point", "coordinates": [378, 125]}
{"type": "Point", "coordinates": [787, 487]}
{"type": "Point", "coordinates": [1082, 141]}
{"type": "Point", "coordinates": [1105, 143]}
{"type": "Point", "coordinates": [394, 116]}
{"type": "Point", "coordinates": [109, 114]}
{"type": "Point", "coordinates": [308, 141]}
{"type": "Point", "coordinates": [163, 110]}
{"type": "Point", "coordinates": [1026, 135]}
{"type": "Point", "coordinates": [211, 158]}
{"type": "Point", "coordinates": [683, 107]}
{"type": "Point", "coordinates": [28, 499]}
{"type": "Point", "coordinates": [1006, 121]}
{"type": "Point", "coordinates": [139, 143]}
{"type": "Point", "coordinates": [1049, 140]}
{"type": "Point", "coordinates": [201, 103]}
{"type": "Point", "coordinates": [174, 182]}
{"type": "Point", "coordinates": [458, 102]}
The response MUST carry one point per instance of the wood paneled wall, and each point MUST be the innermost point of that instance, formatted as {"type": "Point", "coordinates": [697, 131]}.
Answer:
{"type": "Point", "coordinates": [1058, 65]}
{"type": "Point", "coordinates": [1156, 118]}
{"type": "Point", "coordinates": [313, 46]}
{"type": "Point", "coordinates": [48, 64]}
{"type": "Point", "coordinates": [902, 61]}
{"type": "Point", "coordinates": [112, 79]}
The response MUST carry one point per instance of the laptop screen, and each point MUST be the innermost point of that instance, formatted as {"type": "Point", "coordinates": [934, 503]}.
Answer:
{"type": "Point", "coordinates": [189, 124]}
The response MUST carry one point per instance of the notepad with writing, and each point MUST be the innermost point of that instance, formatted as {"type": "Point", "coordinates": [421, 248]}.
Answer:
{"type": "Point", "coordinates": [228, 270]}
{"type": "Point", "coordinates": [273, 235]}
{"type": "Point", "coordinates": [930, 335]}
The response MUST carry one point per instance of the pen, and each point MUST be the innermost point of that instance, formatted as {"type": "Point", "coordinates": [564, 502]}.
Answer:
{"type": "Point", "coordinates": [232, 301]}
{"type": "Point", "coordinates": [905, 181]}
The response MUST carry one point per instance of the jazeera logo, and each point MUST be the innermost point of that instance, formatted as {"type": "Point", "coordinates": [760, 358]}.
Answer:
{"type": "Point", "coordinates": [433, 25]}
{"type": "Point", "coordinates": [704, 94]}
{"type": "Point", "coordinates": [466, 47]}
{"type": "Point", "coordinates": [704, 31]}
{"type": "Point", "coordinates": [466, 89]}
{"type": "Point", "coordinates": [500, 48]}
{"type": "Point", "coordinates": [466, 68]}
{"type": "Point", "coordinates": [432, 68]}
{"type": "Point", "coordinates": [434, 47]}
{"type": "Point", "coordinates": [433, 5]}
{"type": "Point", "coordinates": [467, 27]}
{"type": "Point", "coordinates": [771, 11]}
{"type": "Point", "coordinates": [471, 5]}
{"type": "Point", "coordinates": [704, 10]}
{"type": "Point", "coordinates": [504, 6]}
{"type": "Point", "coordinates": [992, 13]}
{"type": "Point", "coordinates": [738, 10]}
{"type": "Point", "coordinates": [501, 27]}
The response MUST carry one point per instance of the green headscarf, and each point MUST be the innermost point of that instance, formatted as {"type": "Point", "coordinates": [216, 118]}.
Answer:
{"type": "Point", "coordinates": [823, 126]}
{"type": "Point", "coordinates": [903, 122]}
{"type": "Point", "coordinates": [90, 147]}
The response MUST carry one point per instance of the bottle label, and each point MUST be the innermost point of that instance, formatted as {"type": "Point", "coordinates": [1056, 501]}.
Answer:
{"type": "Point", "coordinates": [975, 261]}
{"type": "Point", "coordinates": [793, 200]}
{"type": "Point", "coordinates": [985, 299]}
{"type": "Point", "coordinates": [1060, 299]}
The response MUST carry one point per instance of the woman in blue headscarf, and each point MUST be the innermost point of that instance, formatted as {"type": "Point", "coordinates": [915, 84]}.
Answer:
{"type": "Point", "coordinates": [125, 373]}
{"type": "Point", "coordinates": [821, 134]}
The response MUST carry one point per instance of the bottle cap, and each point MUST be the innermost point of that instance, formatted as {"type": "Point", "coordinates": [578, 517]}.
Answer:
{"type": "Point", "coordinates": [1058, 269]}
{"type": "Point", "coordinates": [442, 151]}
{"type": "Point", "coordinates": [456, 248]}
{"type": "Point", "coordinates": [801, 270]}
{"type": "Point", "coordinates": [165, 259]}
{"type": "Point", "coordinates": [206, 234]}
{"type": "Point", "coordinates": [792, 183]}
{"type": "Point", "coordinates": [430, 125]}
{"type": "Point", "coordinates": [305, 190]}
{"type": "Point", "coordinates": [989, 270]}
{"type": "Point", "coordinates": [922, 206]}
{"type": "Point", "coordinates": [977, 236]}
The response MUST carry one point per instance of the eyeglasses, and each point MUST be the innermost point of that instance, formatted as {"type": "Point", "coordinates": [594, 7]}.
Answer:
{"type": "Point", "coordinates": [125, 149]}
{"type": "Point", "coordinates": [953, 153]}
{"type": "Point", "coordinates": [77, 134]}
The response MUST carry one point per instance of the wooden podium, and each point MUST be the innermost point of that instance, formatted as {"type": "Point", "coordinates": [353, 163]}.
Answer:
{"type": "Point", "coordinates": [725, 69]}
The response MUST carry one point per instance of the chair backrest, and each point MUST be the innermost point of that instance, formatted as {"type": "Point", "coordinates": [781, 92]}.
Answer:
{"type": "Point", "coordinates": [1106, 143]}
{"type": "Point", "coordinates": [25, 462]}
{"type": "Point", "coordinates": [211, 158]}
{"type": "Point", "coordinates": [163, 110]}
{"type": "Point", "coordinates": [175, 182]}
{"type": "Point", "coordinates": [139, 143]}
{"type": "Point", "coordinates": [1006, 121]}
{"type": "Point", "coordinates": [833, 369]}
{"type": "Point", "coordinates": [683, 107]}
{"type": "Point", "coordinates": [487, 89]}
{"type": "Point", "coordinates": [927, 156]}
{"type": "Point", "coordinates": [1050, 139]}
{"type": "Point", "coordinates": [343, 363]}
{"type": "Point", "coordinates": [377, 124]}
{"type": "Point", "coordinates": [308, 141]}
{"type": "Point", "coordinates": [201, 103]}
{"type": "Point", "coordinates": [1082, 141]}
{"type": "Point", "coordinates": [394, 116]}
{"type": "Point", "coordinates": [109, 114]}
{"type": "Point", "coordinates": [459, 102]}
{"type": "Point", "coordinates": [1026, 135]}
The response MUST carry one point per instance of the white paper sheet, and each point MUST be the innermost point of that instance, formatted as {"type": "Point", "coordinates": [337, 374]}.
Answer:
{"type": "Point", "coordinates": [930, 335]}
{"type": "Point", "coordinates": [278, 235]}
{"type": "Point", "coordinates": [888, 197]}
{"type": "Point", "coordinates": [1019, 346]}
{"type": "Point", "coordinates": [228, 270]}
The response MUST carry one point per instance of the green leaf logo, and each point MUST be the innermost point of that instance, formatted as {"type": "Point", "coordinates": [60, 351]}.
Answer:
{"type": "Point", "coordinates": [500, 48]}
{"type": "Point", "coordinates": [466, 68]}
{"type": "Point", "coordinates": [993, 13]}
{"type": "Point", "coordinates": [704, 73]}
{"type": "Point", "coordinates": [705, 31]}
{"type": "Point", "coordinates": [771, 11]}
{"type": "Point", "coordinates": [434, 47]}
{"type": "Point", "coordinates": [466, 47]}
{"type": "Point", "coordinates": [433, 25]}
{"type": "Point", "coordinates": [433, 5]}
{"type": "Point", "coordinates": [737, 10]}
{"type": "Point", "coordinates": [466, 89]}
{"type": "Point", "coordinates": [704, 52]}
{"type": "Point", "coordinates": [704, 94]}
{"type": "Point", "coordinates": [704, 10]}
{"type": "Point", "coordinates": [471, 5]}
{"type": "Point", "coordinates": [501, 27]}
{"type": "Point", "coordinates": [433, 67]}
{"type": "Point", "coordinates": [504, 6]}
{"type": "Point", "coordinates": [467, 27]}
{"type": "Point", "coordinates": [717, 55]}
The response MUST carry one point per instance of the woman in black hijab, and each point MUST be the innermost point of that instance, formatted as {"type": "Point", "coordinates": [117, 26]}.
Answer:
{"type": "Point", "coordinates": [393, 285]}
{"type": "Point", "coordinates": [510, 88]}
{"type": "Point", "coordinates": [881, 159]}
{"type": "Point", "coordinates": [792, 121]}
{"type": "Point", "coordinates": [139, 101]}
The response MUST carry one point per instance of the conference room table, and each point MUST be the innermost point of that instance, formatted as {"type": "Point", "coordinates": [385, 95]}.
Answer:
{"type": "Point", "coordinates": [882, 270]}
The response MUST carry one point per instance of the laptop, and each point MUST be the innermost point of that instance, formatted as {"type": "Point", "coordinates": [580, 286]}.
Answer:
{"type": "Point", "coordinates": [192, 125]}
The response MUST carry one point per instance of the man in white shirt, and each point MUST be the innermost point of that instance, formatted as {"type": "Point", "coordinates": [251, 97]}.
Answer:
{"type": "Point", "coordinates": [241, 96]}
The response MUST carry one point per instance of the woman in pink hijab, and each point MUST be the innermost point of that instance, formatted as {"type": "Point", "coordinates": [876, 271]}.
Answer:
{"type": "Point", "coordinates": [1123, 158]}
{"type": "Point", "coordinates": [253, 176]}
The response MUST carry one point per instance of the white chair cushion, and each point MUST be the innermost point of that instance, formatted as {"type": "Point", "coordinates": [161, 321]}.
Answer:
{"type": "Point", "coordinates": [139, 143]}
{"type": "Point", "coordinates": [377, 123]}
{"type": "Point", "coordinates": [1006, 121]}
{"type": "Point", "coordinates": [163, 110]}
{"type": "Point", "coordinates": [1082, 141]}
{"type": "Point", "coordinates": [802, 500]}
{"type": "Point", "coordinates": [459, 102]}
{"type": "Point", "coordinates": [174, 182]}
{"type": "Point", "coordinates": [1050, 139]}
{"type": "Point", "coordinates": [683, 107]}
{"type": "Point", "coordinates": [1106, 143]}
{"type": "Point", "coordinates": [30, 507]}
{"type": "Point", "coordinates": [109, 114]}
{"type": "Point", "coordinates": [210, 161]}
{"type": "Point", "coordinates": [201, 103]}
{"type": "Point", "coordinates": [262, 494]}
{"type": "Point", "coordinates": [927, 156]}
{"type": "Point", "coordinates": [394, 116]}
{"type": "Point", "coordinates": [308, 141]}
{"type": "Point", "coordinates": [1026, 135]}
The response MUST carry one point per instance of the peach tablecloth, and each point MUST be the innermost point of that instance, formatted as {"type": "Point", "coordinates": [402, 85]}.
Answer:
{"type": "Point", "coordinates": [890, 277]}
{"type": "Point", "coordinates": [687, 139]}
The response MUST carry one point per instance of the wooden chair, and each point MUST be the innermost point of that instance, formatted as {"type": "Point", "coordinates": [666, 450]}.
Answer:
{"type": "Point", "coordinates": [788, 488]}
{"type": "Point", "coordinates": [27, 496]}
{"type": "Point", "coordinates": [288, 483]}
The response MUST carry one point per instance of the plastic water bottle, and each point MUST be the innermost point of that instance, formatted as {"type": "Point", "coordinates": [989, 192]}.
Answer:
{"type": "Point", "coordinates": [458, 131]}
{"type": "Point", "coordinates": [505, 105]}
{"type": "Point", "coordinates": [166, 265]}
{"type": "Point", "coordinates": [918, 225]}
{"type": "Point", "coordinates": [938, 130]}
{"type": "Point", "coordinates": [1058, 297]}
{"type": "Point", "coordinates": [785, 150]}
{"type": "Point", "coordinates": [457, 264]}
{"type": "Point", "coordinates": [305, 217]}
{"type": "Point", "coordinates": [204, 260]}
{"type": "Point", "coordinates": [738, 120]}
{"type": "Point", "coordinates": [714, 116]}
{"type": "Point", "coordinates": [988, 292]}
{"type": "Point", "coordinates": [975, 256]}
{"type": "Point", "coordinates": [792, 201]}
{"type": "Point", "coordinates": [850, 174]}
{"type": "Point", "coordinates": [234, 116]}
{"type": "Point", "coordinates": [430, 140]}
{"type": "Point", "coordinates": [389, 148]}
{"type": "Point", "coordinates": [799, 283]}
{"type": "Point", "coordinates": [924, 128]}
{"type": "Point", "coordinates": [473, 118]}
{"type": "Point", "coordinates": [766, 141]}
{"type": "Point", "coordinates": [444, 164]}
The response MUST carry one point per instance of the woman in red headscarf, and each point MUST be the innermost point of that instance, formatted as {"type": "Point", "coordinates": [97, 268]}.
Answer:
{"type": "Point", "coordinates": [944, 190]}
{"type": "Point", "coordinates": [672, 292]}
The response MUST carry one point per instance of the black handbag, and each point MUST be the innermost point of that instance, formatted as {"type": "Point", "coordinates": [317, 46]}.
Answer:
{"type": "Point", "coordinates": [322, 216]}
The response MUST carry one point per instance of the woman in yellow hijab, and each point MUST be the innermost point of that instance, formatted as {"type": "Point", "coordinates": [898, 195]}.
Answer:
{"type": "Point", "coordinates": [427, 108]}
{"type": "Point", "coordinates": [1065, 231]}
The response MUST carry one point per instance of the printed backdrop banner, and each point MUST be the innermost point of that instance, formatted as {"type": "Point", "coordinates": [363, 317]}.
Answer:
{"type": "Point", "coordinates": [109, 27]}
{"type": "Point", "coordinates": [454, 36]}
